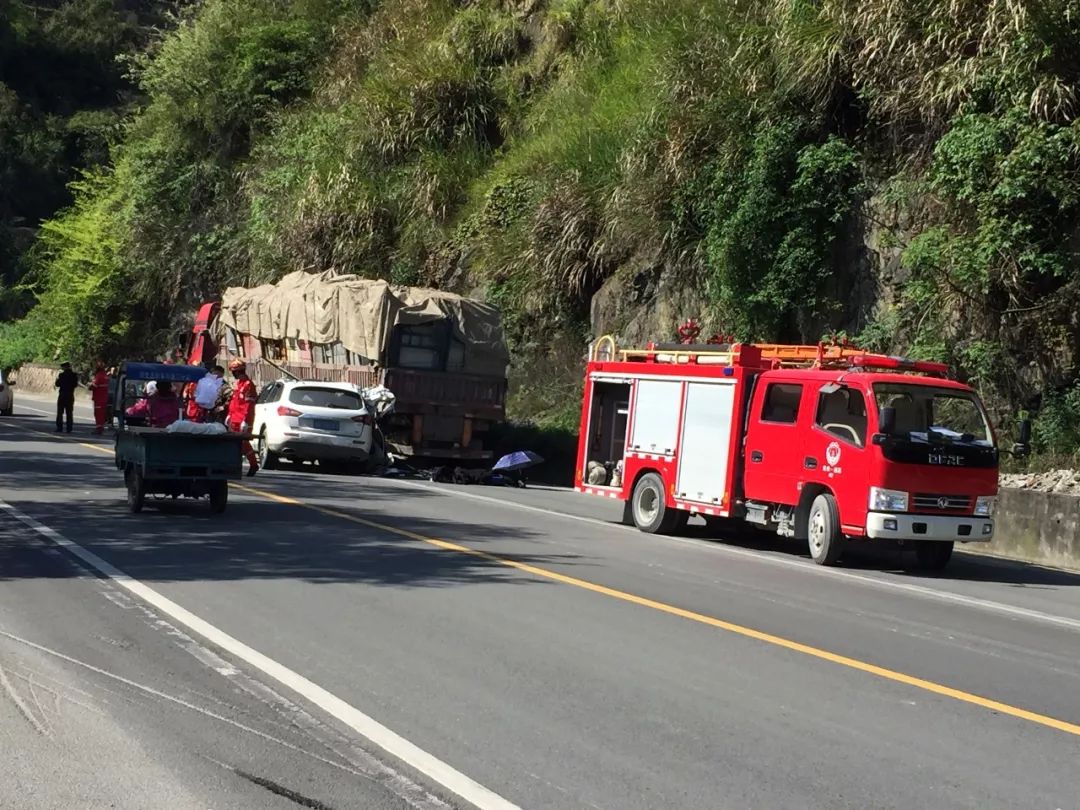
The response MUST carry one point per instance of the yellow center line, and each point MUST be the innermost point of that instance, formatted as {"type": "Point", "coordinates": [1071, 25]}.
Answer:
{"type": "Point", "coordinates": [711, 621]}
{"type": "Point", "coordinates": [663, 607]}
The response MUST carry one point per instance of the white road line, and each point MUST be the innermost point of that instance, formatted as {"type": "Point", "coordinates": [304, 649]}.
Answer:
{"type": "Point", "coordinates": [35, 410]}
{"type": "Point", "coordinates": [391, 742]}
{"type": "Point", "coordinates": [805, 567]}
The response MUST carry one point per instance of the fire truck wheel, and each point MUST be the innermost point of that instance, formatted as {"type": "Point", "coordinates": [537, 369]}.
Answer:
{"type": "Point", "coordinates": [823, 531]}
{"type": "Point", "coordinates": [932, 555]}
{"type": "Point", "coordinates": [650, 513]}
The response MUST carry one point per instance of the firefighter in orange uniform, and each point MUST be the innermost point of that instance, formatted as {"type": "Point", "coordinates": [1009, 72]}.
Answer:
{"type": "Point", "coordinates": [99, 392]}
{"type": "Point", "coordinates": [241, 416]}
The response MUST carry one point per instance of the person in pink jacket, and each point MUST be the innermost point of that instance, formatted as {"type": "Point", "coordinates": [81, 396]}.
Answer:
{"type": "Point", "coordinates": [160, 409]}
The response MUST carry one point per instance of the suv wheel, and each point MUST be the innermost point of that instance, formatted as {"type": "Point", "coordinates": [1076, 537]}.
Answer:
{"type": "Point", "coordinates": [267, 459]}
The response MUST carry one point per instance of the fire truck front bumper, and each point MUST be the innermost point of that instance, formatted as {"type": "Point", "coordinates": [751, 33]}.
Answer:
{"type": "Point", "coordinates": [900, 526]}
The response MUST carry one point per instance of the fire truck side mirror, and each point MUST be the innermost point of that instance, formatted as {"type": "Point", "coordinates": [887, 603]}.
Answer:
{"type": "Point", "coordinates": [1022, 447]}
{"type": "Point", "coordinates": [887, 420]}
{"type": "Point", "coordinates": [1025, 431]}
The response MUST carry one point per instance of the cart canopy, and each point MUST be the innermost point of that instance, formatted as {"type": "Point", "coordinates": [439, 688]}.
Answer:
{"type": "Point", "coordinates": [164, 372]}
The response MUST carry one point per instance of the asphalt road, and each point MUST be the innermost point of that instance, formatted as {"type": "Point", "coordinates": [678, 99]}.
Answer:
{"type": "Point", "coordinates": [520, 639]}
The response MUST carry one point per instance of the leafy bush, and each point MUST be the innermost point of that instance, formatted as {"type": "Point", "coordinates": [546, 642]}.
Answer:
{"type": "Point", "coordinates": [776, 218]}
{"type": "Point", "coordinates": [1057, 426]}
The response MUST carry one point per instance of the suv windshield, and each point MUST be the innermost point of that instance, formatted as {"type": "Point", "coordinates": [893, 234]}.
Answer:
{"type": "Point", "coordinates": [326, 398]}
{"type": "Point", "coordinates": [935, 415]}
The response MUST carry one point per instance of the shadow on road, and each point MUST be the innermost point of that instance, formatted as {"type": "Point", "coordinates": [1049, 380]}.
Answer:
{"type": "Point", "coordinates": [177, 540]}
{"type": "Point", "coordinates": [181, 541]}
{"type": "Point", "coordinates": [262, 539]}
{"type": "Point", "coordinates": [876, 557]}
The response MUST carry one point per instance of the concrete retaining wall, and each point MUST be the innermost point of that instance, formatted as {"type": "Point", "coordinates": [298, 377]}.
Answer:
{"type": "Point", "coordinates": [40, 379]}
{"type": "Point", "coordinates": [36, 379]}
{"type": "Point", "coordinates": [1036, 527]}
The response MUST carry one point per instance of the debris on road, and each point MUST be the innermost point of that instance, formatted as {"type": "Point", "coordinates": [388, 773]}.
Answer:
{"type": "Point", "coordinates": [1059, 482]}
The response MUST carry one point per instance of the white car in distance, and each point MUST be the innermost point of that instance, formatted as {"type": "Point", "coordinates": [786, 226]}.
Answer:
{"type": "Point", "coordinates": [306, 420]}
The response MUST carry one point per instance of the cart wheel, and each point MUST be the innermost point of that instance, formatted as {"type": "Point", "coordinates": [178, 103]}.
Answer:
{"type": "Point", "coordinates": [219, 496]}
{"type": "Point", "coordinates": [136, 489]}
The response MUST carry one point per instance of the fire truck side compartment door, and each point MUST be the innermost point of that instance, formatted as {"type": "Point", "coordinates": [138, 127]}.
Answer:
{"type": "Point", "coordinates": [656, 417]}
{"type": "Point", "coordinates": [706, 442]}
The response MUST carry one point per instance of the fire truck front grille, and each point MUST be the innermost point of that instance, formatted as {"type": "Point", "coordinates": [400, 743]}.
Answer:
{"type": "Point", "coordinates": [927, 502]}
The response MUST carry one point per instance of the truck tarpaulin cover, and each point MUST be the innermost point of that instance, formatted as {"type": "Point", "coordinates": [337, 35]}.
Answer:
{"type": "Point", "coordinates": [360, 313]}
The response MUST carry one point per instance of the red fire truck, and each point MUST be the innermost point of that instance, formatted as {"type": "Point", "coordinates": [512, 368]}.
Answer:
{"type": "Point", "coordinates": [818, 443]}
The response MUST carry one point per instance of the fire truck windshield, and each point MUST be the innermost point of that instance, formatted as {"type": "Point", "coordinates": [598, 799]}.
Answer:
{"type": "Point", "coordinates": [935, 415]}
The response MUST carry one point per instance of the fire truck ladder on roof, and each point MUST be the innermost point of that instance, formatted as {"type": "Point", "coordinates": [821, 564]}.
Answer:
{"type": "Point", "coordinates": [822, 355]}
{"type": "Point", "coordinates": [605, 349]}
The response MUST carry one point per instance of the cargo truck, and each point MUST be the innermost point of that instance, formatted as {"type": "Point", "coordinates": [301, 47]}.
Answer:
{"type": "Point", "coordinates": [443, 356]}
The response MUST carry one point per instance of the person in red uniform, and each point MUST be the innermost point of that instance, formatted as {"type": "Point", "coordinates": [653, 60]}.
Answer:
{"type": "Point", "coordinates": [99, 393]}
{"type": "Point", "coordinates": [192, 412]}
{"type": "Point", "coordinates": [241, 416]}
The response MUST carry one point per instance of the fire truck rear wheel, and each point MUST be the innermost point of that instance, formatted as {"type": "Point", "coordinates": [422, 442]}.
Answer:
{"type": "Point", "coordinates": [823, 531]}
{"type": "Point", "coordinates": [650, 513]}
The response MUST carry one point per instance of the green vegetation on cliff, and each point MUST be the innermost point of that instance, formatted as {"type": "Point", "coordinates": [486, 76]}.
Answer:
{"type": "Point", "coordinates": [901, 170]}
{"type": "Point", "coordinates": [64, 95]}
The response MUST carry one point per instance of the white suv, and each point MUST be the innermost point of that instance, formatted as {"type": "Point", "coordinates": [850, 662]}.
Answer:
{"type": "Point", "coordinates": [306, 420]}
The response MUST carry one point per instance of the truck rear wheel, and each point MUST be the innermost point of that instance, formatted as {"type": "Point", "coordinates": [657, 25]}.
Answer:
{"type": "Point", "coordinates": [648, 508]}
{"type": "Point", "coordinates": [933, 555]}
{"type": "Point", "coordinates": [823, 531]}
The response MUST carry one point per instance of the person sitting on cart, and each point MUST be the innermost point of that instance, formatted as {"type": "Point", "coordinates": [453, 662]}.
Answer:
{"type": "Point", "coordinates": [204, 396]}
{"type": "Point", "coordinates": [160, 409]}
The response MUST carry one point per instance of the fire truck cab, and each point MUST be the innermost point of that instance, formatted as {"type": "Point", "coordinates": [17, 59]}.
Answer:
{"type": "Point", "coordinates": [823, 444]}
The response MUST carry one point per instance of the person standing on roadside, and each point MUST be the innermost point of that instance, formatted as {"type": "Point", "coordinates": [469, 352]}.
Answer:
{"type": "Point", "coordinates": [66, 383]}
{"type": "Point", "coordinates": [99, 393]}
{"type": "Point", "coordinates": [114, 393]}
{"type": "Point", "coordinates": [241, 417]}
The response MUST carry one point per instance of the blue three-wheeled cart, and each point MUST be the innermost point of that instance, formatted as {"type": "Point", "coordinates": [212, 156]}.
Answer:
{"type": "Point", "coordinates": [156, 461]}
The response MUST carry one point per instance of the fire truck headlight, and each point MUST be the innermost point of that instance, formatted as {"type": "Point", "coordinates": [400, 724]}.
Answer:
{"type": "Point", "coordinates": [985, 506]}
{"type": "Point", "coordinates": [888, 500]}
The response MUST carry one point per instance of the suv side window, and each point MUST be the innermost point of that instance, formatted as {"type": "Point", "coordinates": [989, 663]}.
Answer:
{"type": "Point", "coordinates": [271, 393]}
{"type": "Point", "coordinates": [782, 403]}
{"type": "Point", "coordinates": [842, 413]}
